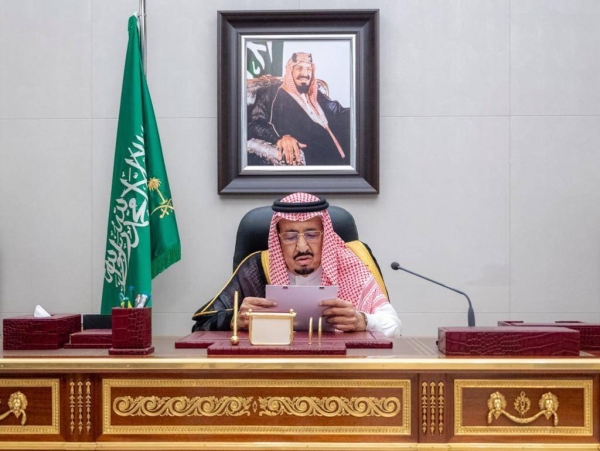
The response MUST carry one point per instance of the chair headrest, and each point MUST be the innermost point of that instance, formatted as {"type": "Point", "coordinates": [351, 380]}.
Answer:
{"type": "Point", "coordinates": [253, 231]}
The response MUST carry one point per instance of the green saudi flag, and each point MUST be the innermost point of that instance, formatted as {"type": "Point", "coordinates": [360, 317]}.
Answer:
{"type": "Point", "coordinates": [264, 57]}
{"type": "Point", "coordinates": [142, 237]}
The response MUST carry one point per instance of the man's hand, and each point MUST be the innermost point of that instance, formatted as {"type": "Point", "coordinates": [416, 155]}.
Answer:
{"type": "Point", "coordinates": [342, 315]}
{"type": "Point", "coordinates": [255, 304]}
{"type": "Point", "coordinates": [289, 148]}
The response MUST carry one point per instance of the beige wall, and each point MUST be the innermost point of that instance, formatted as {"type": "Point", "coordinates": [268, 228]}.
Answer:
{"type": "Point", "coordinates": [490, 154]}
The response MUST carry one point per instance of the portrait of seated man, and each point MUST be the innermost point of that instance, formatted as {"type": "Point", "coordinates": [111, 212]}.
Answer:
{"type": "Point", "coordinates": [298, 119]}
{"type": "Point", "coordinates": [303, 249]}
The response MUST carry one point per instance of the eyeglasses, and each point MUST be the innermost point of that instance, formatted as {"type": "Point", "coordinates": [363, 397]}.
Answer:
{"type": "Point", "coordinates": [311, 236]}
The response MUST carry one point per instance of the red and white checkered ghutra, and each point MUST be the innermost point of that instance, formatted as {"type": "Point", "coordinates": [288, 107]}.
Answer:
{"type": "Point", "coordinates": [341, 266]}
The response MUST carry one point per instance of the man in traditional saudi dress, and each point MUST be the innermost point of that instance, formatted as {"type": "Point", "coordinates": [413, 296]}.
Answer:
{"type": "Point", "coordinates": [296, 115]}
{"type": "Point", "coordinates": [305, 250]}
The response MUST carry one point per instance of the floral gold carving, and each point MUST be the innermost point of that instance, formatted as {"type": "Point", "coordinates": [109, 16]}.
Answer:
{"type": "Point", "coordinates": [332, 406]}
{"type": "Point", "coordinates": [118, 404]}
{"type": "Point", "coordinates": [548, 404]}
{"type": "Point", "coordinates": [17, 403]}
{"type": "Point", "coordinates": [182, 406]}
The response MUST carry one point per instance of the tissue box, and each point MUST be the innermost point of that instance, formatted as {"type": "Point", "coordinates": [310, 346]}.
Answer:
{"type": "Point", "coordinates": [29, 332]}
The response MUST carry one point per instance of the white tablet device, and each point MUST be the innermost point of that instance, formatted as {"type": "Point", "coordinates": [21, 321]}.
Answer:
{"type": "Point", "coordinates": [304, 300]}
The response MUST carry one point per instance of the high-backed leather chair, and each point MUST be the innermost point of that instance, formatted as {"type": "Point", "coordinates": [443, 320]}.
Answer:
{"type": "Point", "coordinates": [253, 235]}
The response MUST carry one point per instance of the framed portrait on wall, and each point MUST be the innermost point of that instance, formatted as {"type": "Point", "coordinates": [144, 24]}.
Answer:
{"type": "Point", "coordinates": [298, 101]}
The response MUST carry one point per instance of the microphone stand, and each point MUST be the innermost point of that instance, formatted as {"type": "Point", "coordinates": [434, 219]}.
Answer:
{"type": "Point", "coordinates": [470, 314]}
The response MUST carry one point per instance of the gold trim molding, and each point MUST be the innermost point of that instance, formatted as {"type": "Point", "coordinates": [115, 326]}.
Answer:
{"type": "Point", "coordinates": [498, 403]}
{"type": "Point", "coordinates": [359, 406]}
{"type": "Point", "coordinates": [22, 385]}
{"type": "Point", "coordinates": [396, 363]}
{"type": "Point", "coordinates": [299, 446]}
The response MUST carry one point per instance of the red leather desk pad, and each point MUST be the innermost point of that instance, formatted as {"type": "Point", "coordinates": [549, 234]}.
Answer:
{"type": "Point", "coordinates": [590, 332]}
{"type": "Point", "coordinates": [507, 340]}
{"type": "Point", "coordinates": [332, 343]}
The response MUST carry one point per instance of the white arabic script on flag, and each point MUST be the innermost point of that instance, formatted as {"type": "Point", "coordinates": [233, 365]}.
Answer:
{"type": "Point", "coordinates": [128, 216]}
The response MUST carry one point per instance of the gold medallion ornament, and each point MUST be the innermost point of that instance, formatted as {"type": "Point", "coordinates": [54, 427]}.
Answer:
{"type": "Point", "coordinates": [17, 404]}
{"type": "Point", "coordinates": [522, 404]}
{"type": "Point", "coordinates": [548, 404]}
{"type": "Point", "coordinates": [479, 405]}
{"type": "Point", "coordinates": [165, 204]}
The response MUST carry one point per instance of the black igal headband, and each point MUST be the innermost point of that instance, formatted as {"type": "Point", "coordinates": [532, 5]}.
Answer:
{"type": "Point", "coordinates": [300, 207]}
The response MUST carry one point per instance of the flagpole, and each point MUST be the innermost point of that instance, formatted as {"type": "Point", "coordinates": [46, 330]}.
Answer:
{"type": "Point", "coordinates": [141, 205]}
{"type": "Point", "coordinates": [142, 19]}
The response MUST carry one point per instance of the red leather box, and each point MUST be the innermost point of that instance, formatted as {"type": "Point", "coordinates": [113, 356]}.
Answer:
{"type": "Point", "coordinates": [508, 341]}
{"type": "Point", "coordinates": [29, 332]}
{"type": "Point", "coordinates": [90, 339]}
{"type": "Point", "coordinates": [131, 331]}
{"type": "Point", "coordinates": [590, 332]}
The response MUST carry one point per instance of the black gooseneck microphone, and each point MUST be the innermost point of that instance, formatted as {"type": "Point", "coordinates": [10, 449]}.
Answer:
{"type": "Point", "coordinates": [470, 315]}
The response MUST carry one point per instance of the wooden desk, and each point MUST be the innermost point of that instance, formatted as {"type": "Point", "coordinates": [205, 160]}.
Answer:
{"type": "Point", "coordinates": [405, 398]}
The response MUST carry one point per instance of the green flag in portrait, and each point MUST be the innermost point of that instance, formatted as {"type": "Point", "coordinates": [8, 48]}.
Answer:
{"type": "Point", "coordinates": [264, 57]}
{"type": "Point", "coordinates": [142, 237]}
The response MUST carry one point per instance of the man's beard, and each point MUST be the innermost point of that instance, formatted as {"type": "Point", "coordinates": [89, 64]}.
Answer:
{"type": "Point", "coordinates": [303, 89]}
{"type": "Point", "coordinates": [304, 271]}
